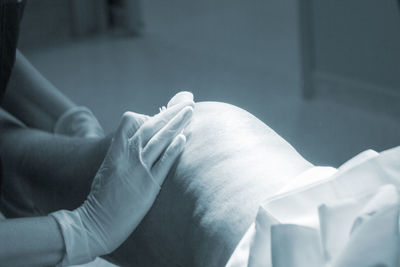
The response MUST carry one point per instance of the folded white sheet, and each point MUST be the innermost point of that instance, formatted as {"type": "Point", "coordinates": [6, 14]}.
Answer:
{"type": "Point", "coordinates": [348, 217]}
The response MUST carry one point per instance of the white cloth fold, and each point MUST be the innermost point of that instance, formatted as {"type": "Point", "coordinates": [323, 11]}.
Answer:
{"type": "Point", "coordinates": [350, 218]}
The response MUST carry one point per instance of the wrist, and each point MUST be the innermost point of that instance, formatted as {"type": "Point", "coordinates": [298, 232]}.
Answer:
{"type": "Point", "coordinates": [76, 237]}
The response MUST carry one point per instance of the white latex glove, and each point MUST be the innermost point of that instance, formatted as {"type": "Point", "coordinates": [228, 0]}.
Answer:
{"type": "Point", "coordinates": [180, 97]}
{"type": "Point", "coordinates": [78, 121]}
{"type": "Point", "coordinates": [127, 183]}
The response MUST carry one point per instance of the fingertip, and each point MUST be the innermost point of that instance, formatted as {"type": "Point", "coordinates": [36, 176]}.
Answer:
{"type": "Point", "coordinates": [181, 143]}
{"type": "Point", "coordinates": [178, 144]}
{"type": "Point", "coordinates": [186, 103]}
{"type": "Point", "coordinates": [182, 96]}
{"type": "Point", "coordinates": [181, 139]}
{"type": "Point", "coordinates": [188, 110]}
{"type": "Point", "coordinates": [184, 117]}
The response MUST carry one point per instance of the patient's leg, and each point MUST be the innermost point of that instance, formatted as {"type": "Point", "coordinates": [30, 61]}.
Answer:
{"type": "Point", "coordinates": [231, 162]}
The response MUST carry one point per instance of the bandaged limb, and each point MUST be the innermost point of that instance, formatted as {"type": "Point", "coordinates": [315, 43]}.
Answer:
{"type": "Point", "coordinates": [231, 162]}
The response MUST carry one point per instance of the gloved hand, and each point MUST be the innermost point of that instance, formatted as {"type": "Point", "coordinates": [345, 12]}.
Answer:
{"type": "Point", "coordinates": [180, 97]}
{"type": "Point", "coordinates": [126, 185]}
{"type": "Point", "coordinates": [78, 121]}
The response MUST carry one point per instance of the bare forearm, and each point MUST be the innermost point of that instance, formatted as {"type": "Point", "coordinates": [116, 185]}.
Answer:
{"type": "Point", "coordinates": [32, 98]}
{"type": "Point", "coordinates": [30, 242]}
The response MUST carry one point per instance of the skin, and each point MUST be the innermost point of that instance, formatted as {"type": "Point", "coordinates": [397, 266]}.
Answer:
{"type": "Point", "coordinates": [231, 162]}
{"type": "Point", "coordinates": [32, 98]}
{"type": "Point", "coordinates": [42, 242]}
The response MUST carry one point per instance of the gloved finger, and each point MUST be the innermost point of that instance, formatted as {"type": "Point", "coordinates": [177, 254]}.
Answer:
{"type": "Point", "coordinates": [180, 97]}
{"type": "Point", "coordinates": [163, 165]}
{"type": "Point", "coordinates": [130, 123]}
{"type": "Point", "coordinates": [160, 141]}
{"type": "Point", "coordinates": [154, 124]}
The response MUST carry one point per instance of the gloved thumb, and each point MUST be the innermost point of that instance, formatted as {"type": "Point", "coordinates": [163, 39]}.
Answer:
{"type": "Point", "coordinates": [180, 97]}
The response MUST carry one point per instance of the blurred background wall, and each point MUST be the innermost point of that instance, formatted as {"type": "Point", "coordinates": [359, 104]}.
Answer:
{"type": "Point", "coordinates": [358, 40]}
{"type": "Point", "coordinates": [114, 56]}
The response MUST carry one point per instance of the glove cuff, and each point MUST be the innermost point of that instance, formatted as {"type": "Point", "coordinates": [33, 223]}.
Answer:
{"type": "Point", "coordinates": [77, 249]}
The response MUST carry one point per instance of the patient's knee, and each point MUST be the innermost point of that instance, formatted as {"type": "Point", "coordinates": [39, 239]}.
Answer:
{"type": "Point", "coordinates": [231, 162]}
